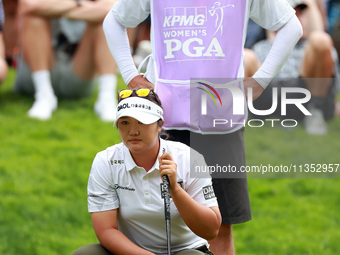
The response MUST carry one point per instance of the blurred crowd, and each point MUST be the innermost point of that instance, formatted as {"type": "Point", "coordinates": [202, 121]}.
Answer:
{"type": "Point", "coordinates": [59, 50]}
{"type": "Point", "coordinates": [313, 63]}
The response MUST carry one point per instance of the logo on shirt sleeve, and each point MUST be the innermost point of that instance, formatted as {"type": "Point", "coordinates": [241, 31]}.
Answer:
{"type": "Point", "coordinates": [208, 192]}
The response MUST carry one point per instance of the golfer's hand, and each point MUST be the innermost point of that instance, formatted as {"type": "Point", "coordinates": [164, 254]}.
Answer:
{"type": "Point", "coordinates": [140, 82]}
{"type": "Point", "coordinates": [252, 83]}
{"type": "Point", "coordinates": [169, 167]}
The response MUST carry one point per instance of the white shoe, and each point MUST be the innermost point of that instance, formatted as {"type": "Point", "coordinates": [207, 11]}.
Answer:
{"type": "Point", "coordinates": [43, 107]}
{"type": "Point", "coordinates": [143, 50]}
{"type": "Point", "coordinates": [106, 109]}
{"type": "Point", "coordinates": [315, 124]}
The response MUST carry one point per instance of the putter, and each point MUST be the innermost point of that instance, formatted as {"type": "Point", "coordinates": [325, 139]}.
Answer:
{"type": "Point", "coordinates": [166, 196]}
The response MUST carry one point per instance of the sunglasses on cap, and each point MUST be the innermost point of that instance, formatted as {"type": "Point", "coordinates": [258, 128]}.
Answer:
{"type": "Point", "coordinates": [140, 92]}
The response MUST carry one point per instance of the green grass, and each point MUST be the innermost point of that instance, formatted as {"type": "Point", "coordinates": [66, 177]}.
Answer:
{"type": "Point", "coordinates": [44, 168]}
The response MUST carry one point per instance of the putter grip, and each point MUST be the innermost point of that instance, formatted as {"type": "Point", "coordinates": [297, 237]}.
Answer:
{"type": "Point", "coordinates": [166, 197]}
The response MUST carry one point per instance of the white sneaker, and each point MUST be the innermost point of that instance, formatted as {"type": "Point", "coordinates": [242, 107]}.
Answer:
{"type": "Point", "coordinates": [43, 107]}
{"type": "Point", "coordinates": [143, 50]}
{"type": "Point", "coordinates": [315, 124]}
{"type": "Point", "coordinates": [105, 108]}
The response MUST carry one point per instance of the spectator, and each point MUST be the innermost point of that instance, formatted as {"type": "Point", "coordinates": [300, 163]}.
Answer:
{"type": "Point", "coordinates": [333, 14]}
{"type": "Point", "coordinates": [312, 65]}
{"type": "Point", "coordinates": [3, 63]}
{"type": "Point", "coordinates": [10, 30]}
{"type": "Point", "coordinates": [333, 11]}
{"type": "Point", "coordinates": [139, 38]}
{"type": "Point", "coordinates": [79, 53]}
{"type": "Point", "coordinates": [255, 33]}
{"type": "Point", "coordinates": [125, 199]}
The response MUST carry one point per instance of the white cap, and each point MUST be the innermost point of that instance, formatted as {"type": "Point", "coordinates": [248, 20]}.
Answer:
{"type": "Point", "coordinates": [296, 3]}
{"type": "Point", "coordinates": [140, 109]}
